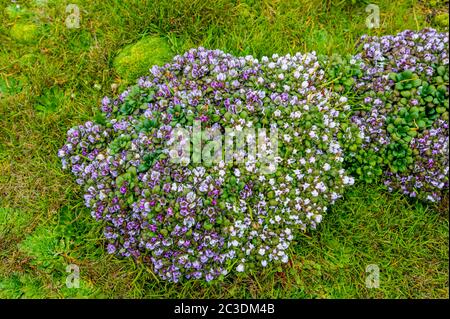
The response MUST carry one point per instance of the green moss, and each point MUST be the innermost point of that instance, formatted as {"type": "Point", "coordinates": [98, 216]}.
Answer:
{"type": "Point", "coordinates": [13, 221]}
{"type": "Point", "coordinates": [45, 249]}
{"type": "Point", "coordinates": [441, 19]}
{"type": "Point", "coordinates": [15, 11]}
{"type": "Point", "coordinates": [136, 59]}
{"type": "Point", "coordinates": [30, 59]}
{"type": "Point", "coordinates": [85, 290]}
{"type": "Point", "coordinates": [10, 86]}
{"type": "Point", "coordinates": [436, 3]}
{"type": "Point", "coordinates": [24, 32]}
{"type": "Point", "coordinates": [22, 286]}
{"type": "Point", "coordinates": [50, 100]}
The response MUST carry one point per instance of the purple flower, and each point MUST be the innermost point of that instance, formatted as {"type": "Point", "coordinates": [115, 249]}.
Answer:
{"type": "Point", "coordinates": [111, 249]}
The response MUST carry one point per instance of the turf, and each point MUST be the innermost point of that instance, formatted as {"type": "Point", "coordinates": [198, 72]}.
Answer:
{"type": "Point", "coordinates": [53, 77]}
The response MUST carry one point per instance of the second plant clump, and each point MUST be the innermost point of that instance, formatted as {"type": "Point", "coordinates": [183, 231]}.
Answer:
{"type": "Point", "coordinates": [384, 116]}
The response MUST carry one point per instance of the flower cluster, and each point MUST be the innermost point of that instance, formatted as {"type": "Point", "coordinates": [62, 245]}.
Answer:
{"type": "Point", "coordinates": [429, 174]}
{"type": "Point", "coordinates": [199, 218]}
{"type": "Point", "coordinates": [213, 163]}
{"type": "Point", "coordinates": [401, 108]}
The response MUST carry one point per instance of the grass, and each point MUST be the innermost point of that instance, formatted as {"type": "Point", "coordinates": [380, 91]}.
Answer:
{"type": "Point", "coordinates": [54, 78]}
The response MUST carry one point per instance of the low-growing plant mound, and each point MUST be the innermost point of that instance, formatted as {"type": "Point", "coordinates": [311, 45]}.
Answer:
{"type": "Point", "coordinates": [268, 166]}
{"type": "Point", "coordinates": [399, 88]}
{"type": "Point", "coordinates": [213, 163]}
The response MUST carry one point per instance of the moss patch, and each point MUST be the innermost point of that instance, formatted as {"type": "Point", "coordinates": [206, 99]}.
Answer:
{"type": "Point", "coordinates": [136, 59]}
{"type": "Point", "coordinates": [441, 20]}
{"type": "Point", "coordinates": [15, 11]}
{"type": "Point", "coordinates": [13, 221]}
{"type": "Point", "coordinates": [30, 59]}
{"type": "Point", "coordinates": [24, 32]}
{"type": "Point", "coordinates": [22, 286]}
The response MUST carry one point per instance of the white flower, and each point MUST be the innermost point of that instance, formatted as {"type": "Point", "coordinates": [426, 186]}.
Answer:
{"type": "Point", "coordinates": [191, 197]}
{"type": "Point", "coordinates": [199, 171]}
{"type": "Point", "coordinates": [314, 193]}
{"type": "Point", "coordinates": [343, 99]}
{"type": "Point", "coordinates": [296, 74]}
{"type": "Point", "coordinates": [348, 180]}
{"type": "Point", "coordinates": [272, 168]}
{"type": "Point", "coordinates": [249, 166]}
{"type": "Point", "coordinates": [281, 76]}
{"type": "Point", "coordinates": [203, 187]}
{"type": "Point", "coordinates": [304, 84]}
{"type": "Point", "coordinates": [232, 73]}
{"type": "Point", "coordinates": [185, 161]}
{"type": "Point", "coordinates": [264, 263]}
{"type": "Point", "coordinates": [318, 218]}
{"type": "Point", "coordinates": [240, 268]}
{"type": "Point", "coordinates": [221, 77]}
{"type": "Point", "coordinates": [326, 167]}
{"type": "Point", "coordinates": [261, 251]}
{"type": "Point", "coordinates": [173, 154]}
{"type": "Point", "coordinates": [277, 113]}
